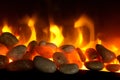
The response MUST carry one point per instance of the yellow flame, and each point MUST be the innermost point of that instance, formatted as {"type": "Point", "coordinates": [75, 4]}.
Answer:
{"type": "Point", "coordinates": [81, 22]}
{"type": "Point", "coordinates": [33, 34]}
{"type": "Point", "coordinates": [114, 48]}
{"type": "Point", "coordinates": [6, 29]}
{"type": "Point", "coordinates": [80, 36]}
{"type": "Point", "coordinates": [56, 36]}
{"type": "Point", "coordinates": [99, 41]}
{"type": "Point", "coordinates": [10, 60]}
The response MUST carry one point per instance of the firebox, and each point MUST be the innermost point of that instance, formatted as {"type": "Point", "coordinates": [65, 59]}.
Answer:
{"type": "Point", "coordinates": [68, 39]}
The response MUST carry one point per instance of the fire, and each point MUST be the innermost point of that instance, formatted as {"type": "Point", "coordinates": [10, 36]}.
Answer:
{"type": "Point", "coordinates": [32, 27]}
{"type": "Point", "coordinates": [56, 36]}
{"type": "Point", "coordinates": [99, 41]}
{"type": "Point", "coordinates": [10, 60]}
{"type": "Point", "coordinates": [81, 22]}
{"type": "Point", "coordinates": [6, 29]}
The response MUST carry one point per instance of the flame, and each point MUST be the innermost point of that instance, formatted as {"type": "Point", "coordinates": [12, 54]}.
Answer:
{"type": "Point", "coordinates": [81, 22]}
{"type": "Point", "coordinates": [33, 35]}
{"type": "Point", "coordinates": [10, 60]}
{"type": "Point", "coordinates": [6, 29]}
{"type": "Point", "coordinates": [99, 41]}
{"type": "Point", "coordinates": [56, 36]}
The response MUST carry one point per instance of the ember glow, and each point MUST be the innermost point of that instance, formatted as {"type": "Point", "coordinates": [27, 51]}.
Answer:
{"type": "Point", "coordinates": [57, 38]}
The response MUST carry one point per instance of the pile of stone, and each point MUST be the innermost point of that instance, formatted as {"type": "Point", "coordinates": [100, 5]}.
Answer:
{"type": "Point", "coordinates": [47, 57]}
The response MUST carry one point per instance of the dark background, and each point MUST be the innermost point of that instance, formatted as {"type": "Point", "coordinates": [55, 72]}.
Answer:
{"type": "Point", "coordinates": [105, 14]}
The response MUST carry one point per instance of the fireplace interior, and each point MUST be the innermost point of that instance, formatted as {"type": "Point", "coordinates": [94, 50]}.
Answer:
{"type": "Point", "coordinates": [75, 39]}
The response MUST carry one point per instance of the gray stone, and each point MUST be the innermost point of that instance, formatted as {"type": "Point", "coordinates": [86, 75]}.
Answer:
{"type": "Point", "coordinates": [44, 64]}
{"type": "Point", "coordinates": [3, 61]}
{"type": "Point", "coordinates": [81, 55]}
{"type": "Point", "coordinates": [31, 46]}
{"type": "Point", "coordinates": [107, 55]}
{"type": "Point", "coordinates": [41, 43]}
{"type": "Point", "coordinates": [69, 68]}
{"type": "Point", "coordinates": [20, 65]}
{"type": "Point", "coordinates": [113, 67]}
{"type": "Point", "coordinates": [17, 52]}
{"type": "Point", "coordinates": [67, 48]}
{"type": "Point", "coordinates": [118, 58]}
{"type": "Point", "coordinates": [59, 58]}
{"type": "Point", "coordinates": [92, 54]}
{"type": "Point", "coordinates": [94, 65]}
{"type": "Point", "coordinates": [8, 39]}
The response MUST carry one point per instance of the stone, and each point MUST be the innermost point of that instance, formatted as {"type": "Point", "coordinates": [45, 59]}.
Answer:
{"type": "Point", "coordinates": [8, 39]}
{"type": "Point", "coordinates": [94, 65]}
{"type": "Point", "coordinates": [52, 45]}
{"type": "Point", "coordinates": [107, 55]}
{"type": "Point", "coordinates": [118, 58]}
{"type": "Point", "coordinates": [59, 58]}
{"type": "Point", "coordinates": [92, 54]}
{"type": "Point", "coordinates": [28, 55]}
{"type": "Point", "coordinates": [47, 50]}
{"type": "Point", "coordinates": [20, 65]}
{"type": "Point", "coordinates": [3, 61]}
{"type": "Point", "coordinates": [42, 42]}
{"type": "Point", "coordinates": [67, 48]}
{"type": "Point", "coordinates": [113, 67]}
{"type": "Point", "coordinates": [31, 46]}
{"type": "Point", "coordinates": [69, 68]}
{"type": "Point", "coordinates": [82, 56]}
{"type": "Point", "coordinates": [17, 52]}
{"type": "Point", "coordinates": [44, 64]}
{"type": "Point", "coordinates": [71, 54]}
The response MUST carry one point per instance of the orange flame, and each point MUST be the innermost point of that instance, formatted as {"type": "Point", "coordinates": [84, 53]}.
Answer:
{"type": "Point", "coordinates": [56, 36]}
{"type": "Point", "coordinates": [81, 22]}
{"type": "Point", "coordinates": [33, 35]}
{"type": "Point", "coordinates": [6, 29]}
{"type": "Point", "coordinates": [10, 60]}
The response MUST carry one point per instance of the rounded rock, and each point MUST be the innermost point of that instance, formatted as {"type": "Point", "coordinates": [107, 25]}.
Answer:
{"type": "Point", "coordinates": [20, 65]}
{"type": "Point", "coordinates": [3, 61]}
{"type": "Point", "coordinates": [17, 52]}
{"type": "Point", "coordinates": [113, 67]}
{"type": "Point", "coordinates": [82, 56]}
{"type": "Point", "coordinates": [41, 43]}
{"type": "Point", "coordinates": [69, 68]}
{"type": "Point", "coordinates": [44, 64]}
{"type": "Point", "coordinates": [51, 45]}
{"type": "Point", "coordinates": [59, 58]}
{"type": "Point", "coordinates": [118, 58]}
{"type": "Point", "coordinates": [94, 65]}
{"type": "Point", "coordinates": [31, 46]}
{"type": "Point", "coordinates": [8, 39]}
{"type": "Point", "coordinates": [67, 48]}
{"type": "Point", "coordinates": [92, 54]}
{"type": "Point", "coordinates": [107, 55]}
{"type": "Point", "coordinates": [46, 50]}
